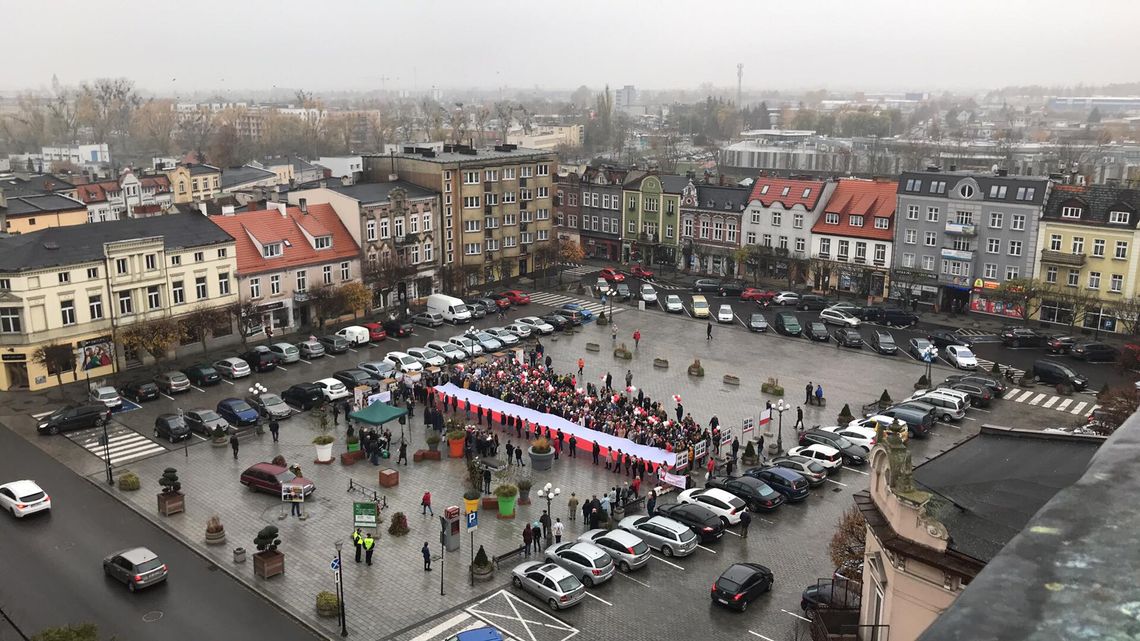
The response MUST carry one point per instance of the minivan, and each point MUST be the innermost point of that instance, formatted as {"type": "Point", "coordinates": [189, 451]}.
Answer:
{"type": "Point", "coordinates": [1054, 373]}
{"type": "Point", "coordinates": [918, 422]}
{"type": "Point", "coordinates": [334, 344]}
{"type": "Point", "coordinates": [882, 342]}
{"type": "Point", "coordinates": [700, 307]}
{"type": "Point", "coordinates": [354, 334]}
{"type": "Point", "coordinates": [812, 301]}
{"type": "Point", "coordinates": [451, 308]}
{"type": "Point", "coordinates": [787, 324]}
{"type": "Point", "coordinates": [947, 407]}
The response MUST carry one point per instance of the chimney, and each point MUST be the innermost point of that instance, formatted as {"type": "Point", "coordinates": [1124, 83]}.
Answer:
{"type": "Point", "coordinates": [202, 208]}
{"type": "Point", "coordinates": [304, 203]}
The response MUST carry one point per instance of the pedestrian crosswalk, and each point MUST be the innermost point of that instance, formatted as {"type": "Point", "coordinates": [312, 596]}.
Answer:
{"type": "Point", "coordinates": [558, 300]}
{"type": "Point", "coordinates": [123, 444]}
{"type": "Point", "coordinates": [963, 331]}
{"type": "Point", "coordinates": [1034, 398]}
{"type": "Point", "coordinates": [577, 270]}
{"type": "Point", "coordinates": [986, 367]}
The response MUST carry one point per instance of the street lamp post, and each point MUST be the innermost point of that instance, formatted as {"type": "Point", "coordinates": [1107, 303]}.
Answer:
{"type": "Point", "coordinates": [610, 293]}
{"type": "Point", "coordinates": [548, 492]}
{"type": "Point", "coordinates": [780, 408]}
{"type": "Point", "coordinates": [340, 589]}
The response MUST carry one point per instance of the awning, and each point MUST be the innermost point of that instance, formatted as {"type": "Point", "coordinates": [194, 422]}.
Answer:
{"type": "Point", "coordinates": [378, 414]}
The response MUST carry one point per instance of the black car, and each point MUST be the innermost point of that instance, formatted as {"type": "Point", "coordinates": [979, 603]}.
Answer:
{"type": "Point", "coordinates": [980, 395]}
{"type": "Point", "coordinates": [139, 390]}
{"type": "Point", "coordinates": [791, 484]}
{"type": "Point", "coordinates": [1054, 373]}
{"type": "Point", "coordinates": [757, 494]}
{"type": "Point", "coordinates": [882, 342]}
{"type": "Point", "coordinates": [889, 316]}
{"type": "Point", "coordinates": [942, 339]}
{"type": "Point", "coordinates": [848, 337]}
{"type": "Point", "coordinates": [202, 374]}
{"type": "Point", "coordinates": [171, 427]}
{"type": "Point", "coordinates": [993, 384]}
{"type": "Point", "coordinates": [757, 322]}
{"type": "Point", "coordinates": [831, 593]}
{"type": "Point", "coordinates": [73, 417]}
{"type": "Point", "coordinates": [398, 327]}
{"type": "Point", "coordinates": [1094, 352]}
{"type": "Point", "coordinates": [852, 454]}
{"type": "Point", "coordinates": [261, 360]}
{"type": "Point", "coordinates": [812, 301]}
{"type": "Point", "coordinates": [1061, 344]}
{"type": "Point", "coordinates": [730, 288]}
{"type": "Point", "coordinates": [556, 321]}
{"type": "Point", "coordinates": [741, 584]}
{"type": "Point", "coordinates": [706, 285]}
{"type": "Point", "coordinates": [354, 377]}
{"type": "Point", "coordinates": [334, 344]}
{"type": "Point", "coordinates": [304, 395]}
{"type": "Point", "coordinates": [1012, 336]}
{"type": "Point", "coordinates": [816, 331]}
{"type": "Point", "coordinates": [699, 518]}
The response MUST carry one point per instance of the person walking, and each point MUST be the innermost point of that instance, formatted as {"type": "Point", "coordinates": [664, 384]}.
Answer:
{"type": "Point", "coordinates": [486, 481]}
{"type": "Point", "coordinates": [735, 446]}
{"type": "Point", "coordinates": [548, 363]}
{"type": "Point", "coordinates": [596, 452]}
{"type": "Point", "coordinates": [536, 536]}
{"type": "Point", "coordinates": [635, 487]}
{"type": "Point", "coordinates": [336, 413]}
{"type": "Point", "coordinates": [651, 502]}
{"type": "Point", "coordinates": [636, 338]}
{"type": "Point", "coordinates": [745, 521]}
{"type": "Point", "coordinates": [760, 449]}
{"type": "Point", "coordinates": [426, 551]}
{"type": "Point", "coordinates": [711, 467]}
{"type": "Point", "coordinates": [403, 453]}
{"type": "Point", "coordinates": [274, 429]}
{"type": "Point", "coordinates": [518, 457]}
{"type": "Point", "coordinates": [528, 537]}
{"type": "Point", "coordinates": [358, 543]}
{"type": "Point", "coordinates": [581, 366]}
{"type": "Point", "coordinates": [510, 452]}
{"type": "Point", "coordinates": [558, 528]}
{"type": "Point", "coordinates": [613, 331]}
{"type": "Point", "coordinates": [234, 444]}
{"type": "Point", "coordinates": [609, 381]}
{"type": "Point", "coordinates": [800, 418]}
{"type": "Point", "coordinates": [572, 507]}
{"type": "Point", "coordinates": [545, 521]}
{"type": "Point", "coordinates": [628, 378]}
{"type": "Point", "coordinates": [587, 507]}
{"type": "Point", "coordinates": [369, 545]}
{"type": "Point", "coordinates": [708, 332]}
{"type": "Point", "coordinates": [808, 392]}
{"type": "Point", "coordinates": [425, 503]}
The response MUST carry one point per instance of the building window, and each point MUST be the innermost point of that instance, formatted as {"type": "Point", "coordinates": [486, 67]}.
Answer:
{"type": "Point", "coordinates": [997, 191]}
{"type": "Point", "coordinates": [153, 300]}
{"type": "Point", "coordinates": [543, 192]}
{"type": "Point", "coordinates": [632, 226]}
{"type": "Point", "coordinates": [768, 240]}
{"type": "Point", "coordinates": [783, 242]}
{"type": "Point", "coordinates": [151, 262]}
{"type": "Point", "coordinates": [1121, 251]}
{"type": "Point", "coordinates": [908, 260]}
{"type": "Point", "coordinates": [882, 223]}
{"type": "Point", "coordinates": [344, 271]}
{"type": "Point", "coordinates": [1078, 245]}
{"type": "Point", "coordinates": [10, 320]}
{"type": "Point", "coordinates": [993, 245]}
{"type": "Point", "coordinates": [1116, 283]}
{"type": "Point", "coordinates": [1098, 247]}
{"type": "Point", "coordinates": [199, 256]}
{"type": "Point", "coordinates": [718, 230]}
{"type": "Point", "coordinates": [931, 239]}
{"type": "Point", "coordinates": [92, 272]}
{"type": "Point", "coordinates": [223, 252]}
{"type": "Point", "coordinates": [322, 242]}
{"type": "Point", "coordinates": [224, 284]}
{"type": "Point", "coordinates": [855, 221]}
{"type": "Point", "coordinates": [910, 236]}
{"type": "Point", "coordinates": [471, 249]}
{"type": "Point", "coordinates": [928, 263]}
{"type": "Point", "coordinates": [470, 178]}
{"type": "Point", "coordinates": [831, 219]}
{"type": "Point", "coordinates": [1011, 272]}
{"type": "Point", "coordinates": [996, 219]}
{"type": "Point", "coordinates": [824, 246]}
{"type": "Point", "coordinates": [67, 311]}
{"type": "Point", "coordinates": [201, 290]}
{"type": "Point", "coordinates": [176, 260]}
{"type": "Point", "coordinates": [370, 230]}
{"type": "Point", "coordinates": [384, 235]}
{"type": "Point", "coordinates": [95, 306]}
{"type": "Point", "coordinates": [800, 244]}
{"type": "Point", "coordinates": [841, 252]}
{"type": "Point", "coordinates": [274, 284]}
{"type": "Point", "coordinates": [1055, 242]}
{"type": "Point", "coordinates": [126, 305]}
{"type": "Point", "coordinates": [912, 212]}
{"type": "Point", "coordinates": [1051, 274]}
{"type": "Point", "coordinates": [932, 213]}
{"type": "Point", "coordinates": [178, 292]}
{"type": "Point", "coordinates": [526, 171]}
{"type": "Point", "coordinates": [1015, 248]}
{"type": "Point", "coordinates": [1094, 280]}
{"type": "Point", "coordinates": [326, 274]}
{"type": "Point", "coordinates": [749, 239]}
{"type": "Point", "coordinates": [798, 220]}
{"type": "Point", "coordinates": [966, 191]}
{"type": "Point", "coordinates": [1070, 212]}
{"type": "Point", "coordinates": [1119, 217]}
{"type": "Point", "coordinates": [1017, 222]}
{"type": "Point", "coordinates": [255, 288]}
{"type": "Point", "coordinates": [730, 235]}
{"type": "Point", "coordinates": [755, 218]}
{"type": "Point", "coordinates": [1073, 277]}
{"type": "Point", "coordinates": [989, 270]}
{"type": "Point", "coordinates": [806, 193]}
{"type": "Point", "coordinates": [938, 186]}
{"type": "Point", "coordinates": [302, 280]}
{"type": "Point", "coordinates": [120, 266]}
{"type": "Point", "coordinates": [860, 250]}
{"type": "Point", "coordinates": [880, 253]}
{"type": "Point", "coordinates": [471, 202]}
{"type": "Point", "coordinates": [65, 277]}
{"type": "Point", "coordinates": [777, 218]}
{"type": "Point", "coordinates": [508, 173]}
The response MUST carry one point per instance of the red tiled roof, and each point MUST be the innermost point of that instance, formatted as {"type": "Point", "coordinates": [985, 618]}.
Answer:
{"type": "Point", "coordinates": [269, 226]}
{"type": "Point", "coordinates": [161, 184]}
{"type": "Point", "coordinates": [795, 192]}
{"type": "Point", "coordinates": [870, 199]}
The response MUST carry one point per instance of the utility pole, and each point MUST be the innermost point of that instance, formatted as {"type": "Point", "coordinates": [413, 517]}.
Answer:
{"type": "Point", "coordinates": [739, 80]}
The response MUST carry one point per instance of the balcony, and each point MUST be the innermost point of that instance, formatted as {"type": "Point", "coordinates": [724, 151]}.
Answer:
{"type": "Point", "coordinates": [647, 238]}
{"type": "Point", "coordinates": [524, 226]}
{"type": "Point", "coordinates": [409, 239]}
{"type": "Point", "coordinates": [962, 229]}
{"type": "Point", "coordinates": [966, 255]}
{"type": "Point", "coordinates": [1062, 258]}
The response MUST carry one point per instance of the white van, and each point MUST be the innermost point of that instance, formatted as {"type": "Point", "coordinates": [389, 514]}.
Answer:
{"type": "Point", "coordinates": [354, 334]}
{"type": "Point", "coordinates": [451, 308]}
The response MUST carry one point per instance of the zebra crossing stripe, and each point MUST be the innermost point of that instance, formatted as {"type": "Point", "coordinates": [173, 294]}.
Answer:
{"type": "Point", "coordinates": [1092, 409]}
{"type": "Point", "coordinates": [1064, 404]}
{"type": "Point", "coordinates": [1049, 403]}
{"type": "Point", "coordinates": [1011, 392]}
{"type": "Point", "coordinates": [1037, 399]}
{"type": "Point", "coordinates": [1021, 399]}
{"type": "Point", "coordinates": [1077, 408]}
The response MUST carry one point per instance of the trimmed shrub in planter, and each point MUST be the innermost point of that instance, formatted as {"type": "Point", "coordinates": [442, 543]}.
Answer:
{"type": "Point", "coordinates": [885, 400]}
{"type": "Point", "coordinates": [845, 416]}
{"type": "Point", "coordinates": [455, 441]}
{"type": "Point", "coordinates": [695, 369]}
{"type": "Point", "coordinates": [621, 351]}
{"type": "Point", "coordinates": [602, 320]}
{"type": "Point", "coordinates": [268, 561]}
{"type": "Point", "coordinates": [352, 443]}
{"type": "Point", "coordinates": [215, 531]}
{"type": "Point", "coordinates": [220, 437]}
{"type": "Point", "coordinates": [507, 495]}
{"type": "Point", "coordinates": [433, 441]}
{"type": "Point", "coordinates": [661, 363]}
{"type": "Point", "coordinates": [328, 605]}
{"type": "Point", "coordinates": [129, 482]}
{"type": "Point", "coordinates": [170, 500]}
{"type": "Point", "coordinates": [731, 379]}
{"type": "Point", "coordinates": [922, 383]}
{"type": "Point", "coordinates": [772, 387]}
{"type": "Point", "coordinates": [749, 457]}
{"type": "Point", "coordinates": [482, 568]}
{"type": "Point", "coordinates": [399, 525]}
{"type": "Point", "coordinates": [524, 491]}
{"type": "Point", "coordinates": [541, 454]}
{"type": "Point", "coordinates": [995, 369]}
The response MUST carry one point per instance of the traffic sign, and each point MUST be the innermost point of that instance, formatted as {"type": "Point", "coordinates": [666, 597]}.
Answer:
{"type": "Point", "coordinates": [472, 521]}
{"type": "Point", "coordinates": [335, 565]}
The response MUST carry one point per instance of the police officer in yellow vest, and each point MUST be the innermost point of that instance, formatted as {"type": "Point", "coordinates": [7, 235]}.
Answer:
{"type": "Point", "coordinates": [357, 542]}
{"type": "Point", "coordinates": [369, 544]}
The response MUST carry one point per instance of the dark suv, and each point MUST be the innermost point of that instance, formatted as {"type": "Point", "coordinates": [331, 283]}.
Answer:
{"type": "Point", "coordinates": [304, 395]}
{"type": "Point", "coordinates": [202, 375]}
{"type": "Point", "coordinates": [72, 417]}
{"type": "Point", "coordinates": [1022, 337]}
{"type": "Point", "coordinates": [1054, 373]}
{"type": "Point", "coordinates": [890, 316]}
{"type": "Point", "coordinates": [1093, 352]}
{"type": "Point", "coordinates": [812, 301]}
{"type": "Point", "coordinates": [260, 359]}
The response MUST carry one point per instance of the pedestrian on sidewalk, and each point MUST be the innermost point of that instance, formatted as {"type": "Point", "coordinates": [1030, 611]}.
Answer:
{"type": "Point", "coordinates": [403, 453]}
{"type": "Point", "coordinates": [486, 481]}
{"type": "Point", "coordinates": [808, 392]}
{"type": "Point", "coordinates": [760, 449]}
{"type": "Point", "coordinates": [425, 503]}
{"type": "Point", "coordinates": [234, 444]}
{"type": "Point", "coordinates": [651, 502]}
{"type": "Point", "coordinates": [518, 457]}
{"type": "Point", "coordinates": [573, 445]}
{"type": "Point", "coordinates": [596, 452]}
{"type": "Point", "coordinates": [581, 366]}
{"type": "Point", "coordinates": [745, 521]}
{"type": "Point", "coordinates": [336, 413]}
{"type": "Point", "coordinates": [712, 468]}
{"type": "Point", "coordinates": [800, 418]}
{"type": "Point", "coordinates": [426, 551]}
{"type": "Point", "coordinates": [708, 332]}
{"type": "Point", "coordinates": [510, 452]}
{"type": "Point", "coordinates": [358, 543]}
{"type": "Point", "coordinates": [549, 362]}
{"type": "Point", "coordinates": [609, 381]}
{"type": "Point", "coordinates": [628, 378]}
{"type": "Point", "coordinates": [572, 507]}
{"type": "Point", "coordinates": [613, 331]}
{"type": "Point", "coordinates": [735, 446]}
{"type": "Point", "coordinates": [369, 544]}
{"type": "Point", "coordinates": [819, 395]}
{"type": "Point", "coordinates": [274, 428]}
{"type": "Point", "coordinates": [635, 488]}
{"type": "Point", "coordinates": [546, 525]}
{"type": "Point", "coordinates": [528, 537]}
{"type": "Point", "coordinates": [636, 338]}
{"type": "Point", "coordinates": [558, 528]}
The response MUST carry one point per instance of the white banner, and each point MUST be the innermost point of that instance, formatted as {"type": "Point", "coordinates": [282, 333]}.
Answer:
{"type": "Point", "coordinates": [765, 416]}
{"type": "Point", "coordinates": [725, 438]}
{"type": "Point", "coordinates": [676, 480]}
{"type": "Point", "coordinates": [747, 427]}
{"type": "Point", "coordinates": [382, 397]}
{"type": "Point", "coordinates": [698, 450]}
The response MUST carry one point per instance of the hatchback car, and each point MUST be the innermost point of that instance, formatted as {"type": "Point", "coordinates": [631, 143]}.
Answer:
{"type": "Point", "coordinates": [787, 324]}
{"type": "Point", "coordinates": [829, 457]}
{"type": "Point", "coordinates": [741, 584]}
{"type": "Point", "coordinates": [488, 342]}
{"type": "Point", "coordinates": [554, 585]}
{"type": "Point", "coordinates": [724, 314]}
{"type": "Point", "coordinates": [21, 498]}
{"type": "Point", "coordinates": [267, 477]}
{"type": "Point", "coordinates": [311, 349]}
{"type": "Point", "coordinates": [557, 321]}
{"type": "Point", "coordinates": [816, 331]}
{"type": "Point", "coordinates": [921, 348]}
{"type": "Point", "coordinates": [757, 294]}
{"type": "Point", "coordinates": [611, 275]}
{"type": "Point", "coordinates": [398, 327]}
{"type": "Point", "coordinates": [993, 384]}
{"type": "Point", "coordinates": [833, 316]}
{"type": "Point", "coordinates": [942, 339]}
{"type": "Point", "coordinates": [961, 357]}
{"type": "Point", "coordinates": [429, 357]}
{"type": "Point", "coordinates": [1093, 352]}
{"type": "Point", "coordinates": [647, 293]}
{"type": "Point", "coordinates": [405, 363]}
{"type": "Point", "coordinates": [428, 319]}
{"type": "Point", "coordinates": [73, 417]}
{"type": "Point", "coordinates": [725, 505]}
{"type": "Point", "coordinates": [1054, 373]}
{"type": "Point", "coordinates": [469, 345]}
{"type": "Point", "coordinates": [517, 297]}
{"type": "Point", "coordinates": [202, 374]}
{"type": "Point", "coordinates": [834, 593]}
{"type": "Point", "coordinates": [757, 323]}
{"type": "Point", "coordinates": [137, 567]}
{"type": "Point", "coordinates": [171, 427]}
{"type": "Point", "coordinates": [140, 390]}
{"type": "Point", "coordinates": [848, 337]}
{"type": "Point", "coordinates": [706, 285]}
{"type": "Point", "coordinates": [861, 436]}
{"type": "Point", "coordinates": [883, 342]}
{"type": "Point", "coordinates": [376, 331]}
{"type": "Point", "coordinates": [285, 352]}
{"type": "Point", "coordinates": [661, 533]}
{"type": "Point", "coordinates": [586, 561]}
{"type": "Point", "coordinates": [237, 368]}
{"type": "Point", "coordinates": [815, 473]}
{"type": "Point", "coordinates": [701, 520]}
{"type": "Point", "coordinates": [453, 353]}
{"type": "Point", "coordinates": [1060, 344]}
{"type": "Point", "coordinates": [333, 344]}
{"type": "Point", "coordinates": [980, 395]}
{"type": "Point", "coordinates": [205, 421]}
{"type": "Point", "coordinates": [477, 309]}
{"type": "Point", "coordinates": [303, 395]}
{"type": "Point", "coordinates": [504, 335]}
{"type": "Point", "coordinates": [354, 377]}
{"type": "Point", "coordinates": [786, 298]}
{"type": "Point", "coordinates": [673, 304]}
{"type": "Point", "coordinates": [269, 405]}
{"type": "Point", "coordinates": [792, 485]}
{"type": "Point", "coordinates": [332, 389]}
{"type": "Point", "coordinates": [536, 324]}
{"type": "Point", "coordinates": [521, 331]}
{"type": "Point", "coordinates": [852, 454]}
{"type": "Point", "coordinates": [757, 494]}
{"type": "Point", "coordinates": [106, 395]}
{"type": "Point", "coordinates": [627, 550]}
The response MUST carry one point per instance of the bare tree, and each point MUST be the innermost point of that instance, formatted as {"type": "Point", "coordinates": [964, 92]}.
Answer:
{"type": "Point", "coordinates": [56, 359]}
{"type": "Point", "coordinates": [106, 106]}
{"type": "Point", "coordinates": [153, 125]}
{"type": "Point", "coordinates": [195, 132]}
{"type": "Point", "coordinates": [199, 323]}
{"type": "Point", "coordinates": [848, 544]}
{"type": "Point", "coordinates": [482, 116]}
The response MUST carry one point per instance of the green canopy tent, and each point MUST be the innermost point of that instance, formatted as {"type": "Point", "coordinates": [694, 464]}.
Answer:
{"type": "Point", "coordinates": [378, 414]}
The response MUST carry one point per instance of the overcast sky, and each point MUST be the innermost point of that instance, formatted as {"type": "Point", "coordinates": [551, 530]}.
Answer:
{"type": "Point", "coordinates": [173, 48]}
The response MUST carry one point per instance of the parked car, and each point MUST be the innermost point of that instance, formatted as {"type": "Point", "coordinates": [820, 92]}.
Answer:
{"type": "Point", "coordinates": [890, 317]}
{"type": "Point", "coordinates": [661, 533]}
{"type": "Point", "coordinates": [883, 342]}
{"type": "Point", "coordinates": [427, 357]}
{"type": "Point", "coordinates": [941, 339]}
{"type": "Point", "coordinates": [730, 288]}
{"type": "Point", "coordinates": [702, 521]}
{"type": "Point", "coordinates": [586, 561]}
{"type": "Point", "coordinates": [994, 385]}
{"type": "Point", "coordinates": [517, 297]}
{"type": "Point", "coordinates": [453, 353]}
{"type": "Point", "coordinates": [106, 395]}
{"type": "Point", "coordinates": [303, 395]}
{"type": "Point", "coordinates": [741, 584]}
{"type": "Point", "coordinates": [202, 374]}
{"type": "Point", "coordinates": [586, 314]}
{"type": "Point", "coordinates": [647, 293]}
{"type": "Point", "coordinates": [1013, 336]}
{"type": "Point", "coordinates": [816, 331]}
{"type": "Point", "coordinates": [980, 395]}
{"type": "Point", "coordinates": [258, 359]}
{"type": "Point", "coordinates": [808, 468]}
{"type": "Point", "coordinates": [376, 332]}
{"type": "Point", "coordinates": [611, 275]}
{"type": "Point", "coordinates": [269, 405]}
{"type": "Point", "coordinates": [706, 285]}
{"type": "Point", "coordinates": [333, 344]}
{"type": "Point", "coordinates": [757, 494]}
{"type": "Point", "coordinates": [354, 334]}
{"type": "Point", "coordinates": [469, 345]}
{"type": "Point", "coordinates": [700, 307]}
{"type": "Point", "coordinates": [946, 407]}
{"type": "Point", "coordinates": [792, 485]}
{"type": "Point", "coordinates": [536, 324]}
{"type": "Point", "coordinates": [725, 505]}
{"type": "Point", "coordinates": [237, 412]}
{"type": "Point", "coordinates": [406, 364]}
{"type": "Point", "coordinates": [203, 421]}
{"type": "Point", "coordinates": [557, 321]}
{"type": "Point", "coordinates": [673, 304]}
{"type": "Point", "coordinates": [398, 327]}
{"type": "Point", "coordinates": [490, 305]}
{"type": "Point", "coordinates": [378, 370]}
{"type": "Point", "coordinates": [1054, 373]}
{"type": "Point", "coordinates": [852, 454]}
{"type": "Point", "coordinates": [861, 436]}
{"type": "Point", "coordinates": [428, 319]}
{"type": "Point", "coordinates": [1060, 344]}
{"type": "Point", "coordinates": [961, 357]}
{"type": "Point", "coordinates": [234, 367]}
{"type": "Point", "coordinates": [353, 377]}
{"type": "Point", "coordinates": [757, 322]}
{"type": "Point", "coordinates": [172, 382]}
{"type": "Point", "coordinates": [786, 298]}
{"type": "Point", "coordinates": [641, 272]}
{"type": "Point", "coordinates": [285, 353]}
{"type": "Point", "coordinates": [136, 567]}
{"type": "Point", "coordinates": [73, 417]}
{"type": "Point", "coordinates": [833, 593]}
{"type": "Point", "coordinates": [848, 337]}
{"type": "Point", "coordinates": [757, 294]}
{"type": "Point", "coordinates": [622, 292]}
{"type": "Point", "coordinates": [829, 457]}
{"type": "Point", "coordinates": [22, 498]}
{"type": "Point", "coordinates": [552, 584]}
{"type": "Point", "coordinates": [311, 349]}
{"type": "Point", "coordinates": [488, 342]}
{"type": "Point", "coordinates": [812, 301]}
{"type": "Point", "coordinates": [332, 389]}
{"type": "Point", "coordinates": [847, 306]}
{"type": "Point", "coordinates": [833, 316]}
{"type": "Point", "coordinates": [724, 314]}
{"type": "Point", "coordinates": [918, 422]}
{"type": "Point", "coordinates": [1093, 352]}
{"type": "Point", "coordinates": [502, 334]}
{"type": "Point", "coordinates": [140, 390]}
{"type": "Point", "coordinates": [477, 309]}
{"type": "Point", "coordinates": [171, 427]}
{"type": "Point", "coordinates": [627, 550]}
{"type": "Point", "coordinates": [267, 477]}
{"type": "Point", "coordinates": [501, 300]}
{"type": "Point", "coordinates": [919, 347]}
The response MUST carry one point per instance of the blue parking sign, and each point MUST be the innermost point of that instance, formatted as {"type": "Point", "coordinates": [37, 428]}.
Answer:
{"type": "Point", "coordinates": [472, 521]}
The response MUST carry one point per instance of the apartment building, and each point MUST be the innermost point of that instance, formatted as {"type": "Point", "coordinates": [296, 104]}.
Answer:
{"type": "Point", "coordinates": [33, 212]}
{"type": "Point", "coordinates": [79, 285]}
{"type": "Point", "coordinates": [966, 226]}
{"type": "Point", "coordinates": [567, 206]}
{"type": "Point", "coordinates": [599, 227]}
{"type": "Point", "coordinates": [651, 218]}
{"type": "Point", "coordinates": [131, 196]}
{"type": "Point", "coordinates": [780, 215]}
{"type": "Point", "coordinates": [851, 244]}
{"type": "Point", "coordinates": [497, 202]}
{"type": "Point", "coordinates": [194, 183]}
{"type": "Point", "coordinates": [710, 226]}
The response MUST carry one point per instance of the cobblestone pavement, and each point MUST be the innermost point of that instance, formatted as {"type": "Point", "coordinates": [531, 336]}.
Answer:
{"type": "Point", "coordinates": [396, 599]}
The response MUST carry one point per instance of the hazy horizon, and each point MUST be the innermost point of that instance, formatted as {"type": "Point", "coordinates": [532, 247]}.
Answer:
{"type": "Point", "coordinates": [870, 45]}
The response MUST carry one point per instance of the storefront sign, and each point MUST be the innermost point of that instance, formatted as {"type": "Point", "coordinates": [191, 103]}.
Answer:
{"type": "Point", "coordinates": [979, 303]}
{"type": "Point", "coordinates": [9, 358]}
{"type": "Point", "coordinates": [268, 307]}
{"type": "Point", "coordinates": [980, 284]}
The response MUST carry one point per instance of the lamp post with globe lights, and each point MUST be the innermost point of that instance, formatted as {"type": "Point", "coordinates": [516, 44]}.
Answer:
{"type": "Point", "coordinates": [548, 492]}
{"type": "Point", "coordinates": [780, 408]}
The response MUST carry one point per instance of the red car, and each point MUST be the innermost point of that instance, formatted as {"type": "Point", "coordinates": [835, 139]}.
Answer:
{"type": "Point", "coordinates": [757, 294]}
{"type": "Point", "coordinates": [375, 331]}
{"type": "Point", "coordinates": [517, 297]}
{"type": "Point", "coordinates": [267, 477]}
{"type": "Point", "coordinates": [641, 272]}
{"type": "Point", "coordinates": [612, 275]}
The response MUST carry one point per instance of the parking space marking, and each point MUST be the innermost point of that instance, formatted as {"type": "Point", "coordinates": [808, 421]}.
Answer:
{"type": "Point", "coordinates": [856, 471]}
{"type": "Point", "coordinates": [330, 356]}
{"type": "Point", "coordinates": [282, 368]}
{"type": "Point", "coordinates": [1037, 399]}
{"type": "Point", "coordinates": [759, 635]}
{"type": "Point", "coordinates": [40, 415]}
{"type": "Point", "coordinates": [728, 531]}
{"type": "Point", "coordinates": [706, 549]}
{"type": "Point", "coordinates": [169, 398]}
{"type": "Point", "coordinates": [686, 310]}
{"type": "Point", "coordinates": [742, 323]}
{"type": "Point", "coordinates": [667, 562]}
{"type": "Point", "coordinates": [1078, 407]}
{"type": "Point", "coordinates": [978, 409]}
{"type": "Point", "coordinates": [591, 595]}
{"type": "Point", "coordinates": [1024, 396]}
{"type": "Point", "coordinates": [513, 601]}
{"type": "Point", "coordinates": [305, 361]}
{"type": "Point", "coordinates": [1065, 403]}
{"type": "Point", "coordinates": [801, 618]}
{"type": "Point", "coordinates": [1049, 403]}
{"type": "Point", "coordinates": [443, 627]}
{"type": "Point", "coordinates": [910, 355]}
{"type": "Point", "coordinates": [198, 388]}
{"type": "Point", "coordinates": [835, 482]}
{"type": "Point", "coordinates": [353, 350]}
{"type": "Point", "coordinates": [199, 436]}
{"type": "Point", "coordinates": [635, 580]}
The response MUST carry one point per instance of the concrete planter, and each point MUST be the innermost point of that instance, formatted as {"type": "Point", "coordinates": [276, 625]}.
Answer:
{"type": "Point", "coordinates": [324, 452]}
{"type": "Point", "coordinates": [171, 503]}
{"type": "Point", "coordinates": [540, 462]}
{"type": "Point", "coordinates": [268, 564]}
{"type": "Point", "coordinates": [661, 363]}
{"type": "Point", "coordinates": [731, 380]}
{"type": "Point", "coordinates": [593, 347]}
{"type": "Point", "coordinates": [483, 573]}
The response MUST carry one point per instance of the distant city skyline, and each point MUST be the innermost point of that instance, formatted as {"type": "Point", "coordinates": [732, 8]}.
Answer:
{"type": "Point", "coordinates": [870, 45]}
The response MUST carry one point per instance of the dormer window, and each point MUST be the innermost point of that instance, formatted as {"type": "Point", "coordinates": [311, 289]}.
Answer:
{"type": "Point", "coordinates": [1070, 212]}
{"type": "Point", "coordinates": [785, 190]}
{"type": "Point", "coordinates": [271, 250]}
{"type": "Point", "coordinates": [323, 242]}
{"type": "Point", "coordinates": [1118, 217]}
{"type": "Point", "coordinates": [831, 219]}
{"type": "Point", "coordinates": [763, 190]}
{"type": "Point", "coordinates": [807, 192]}
{"type": "Point", "coordinates": [856, 221]}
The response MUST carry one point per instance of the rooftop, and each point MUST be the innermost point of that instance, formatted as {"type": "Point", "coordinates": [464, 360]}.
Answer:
{"type": "Point", "coordinates": [1095, 202]}
{"type": "Point", "coordinates": [988, 187]}
{"type": "Point", "coordinates": [378, 193]}
{"type": "Point", "coordinates": [59, 246]}
{"type": "Point", "coordinates": [244, 175]}
{"type": "Point", "coordinates": [769, 190]}
{"type": "Point", "coordinates": [467, 154]}
{"type": "Point", "coordinates": [870, 199]}
{"type": "Point", "coordinates": [269, 226]}
{"type": "Point", "coordinates": [722, 198]}
{"type": "Point", "coordinates": [33, 185]}
{"type": "Point", "coordinates": [33, 204]}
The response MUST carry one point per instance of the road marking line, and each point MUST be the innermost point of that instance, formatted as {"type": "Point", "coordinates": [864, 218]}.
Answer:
{"type": "Point", "coordinates": [330, 356]}
{"type": "Point", "coordinates": [1065, 403]}
{"type": "Point", "coordinates": [978, 409]}
{"type": "Point", "coordinates": [1078, 407]}
{"type": "Point", "coordinates": [599, 598]}
{"type": "Point", "coordinates": [198, 388]}
{"type": "Point", "coordinates": [965, 418]}
{"type": "Point", "coordinates": [1092, 409]}
{"type": "Point", "coordinates": [1037, 399]}
{"type": "Point", "coordinates": [40, 415]}
{"type": "Point", "coordinates": [227, 382]}
{"type": "Point", "coordinates": [199, 436]}
{"type": "Point", "coordinates": [443, 627]}
{"type": "Point", "coordinates": [305, 361]}
{"type": "Point", "coordinates": [749, 632]}
{"type": "Point", "coordinates": [352, 350]}
{"type": "Point", "coordinates": [835, 482]}
{"type": "Point", "coordinates": [1024, 396]}
{"type": "Point", "coordinates": [795, 615]}
{"type": "Point", "coordinates": [282, 368]}
{"type": "Point", "coordinates": [635, 580]}
{"type": "Point", "coordinates": [706, 549]}
{"type": "Point", "coordinates": [728, 531]}
{"type": "Point", "coordinates": [171, 398]}
{"type": "Point", "coordinates": [1049, 403]}
{"type": "Point", "coordinates": [856, 471]}
{"type": "Point", "coordinates": [667, 562]}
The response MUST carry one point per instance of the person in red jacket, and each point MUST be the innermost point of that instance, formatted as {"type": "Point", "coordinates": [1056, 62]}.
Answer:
{"type": "Point", "coordinates": [426, 503]}
{"type": "Point", "coordinates": [636, 337]}
{"type": "Point", "coordinates": [712, 467]}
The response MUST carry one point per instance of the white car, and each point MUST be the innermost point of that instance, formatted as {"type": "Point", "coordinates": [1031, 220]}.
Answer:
{"type": "Point", "coordinates": [332, 389]}
{"type": "Point", "coordinates": [520, 330]}
{"type": "Point", "coordinates": [864, 436]}
{"type": "Point", "coordinates": [428, 357]}
{"type": "Point", "coordinates": [724, 504]}
{"type": "Point", "coordinates": [233, 367]}
{"type": "Point", "coordinates": [832, 316]}
{"type": "Point", "coordinates": [406, 364]}
{"type": "Point", "coordinates": [961, 357]}
{"type": "Point", "coordinates": [505, 336]}
{"type": "Point", "coordinates": [829, 457]}
{"type": "Point", "coordinates": [106, 395]}
{"type": "Point", "coordinates": [647, 293]}
{"type": "Point", "coordinates": [22, 498]}
{"type": "Point", "coordinates": [786, 298]}
{"type": "Point", "coordinates": [453, 353]}
{"type": "Point", "coordinates": [673, 304]}
{"type": "Point", "coordinates": [469, 345]}
{"type": "Point", "coordinates": [724, 314]}
{"type": "Point", "coordinates": [536, 323]}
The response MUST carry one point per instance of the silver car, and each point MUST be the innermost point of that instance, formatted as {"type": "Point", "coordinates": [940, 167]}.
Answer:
{"type": "Point", "coordinates": [673, 304]}
{"type": "Point", "coordinates": [662, 533]}
{"type": "Point", "coordinates": [536, 324]}
{"type": "Point", "coordinates": [504, 335]}
{"type": "Point", "coordinates": [285, 352]}
{"type": "Point", "coordinates": [520, 330]}
{"type": "Point", "coordinates": [586, 561]}
{"type": "Point", "coordinates": [627, 550]}
{"type": "Point", "coordinates": [137, 567]}
{"type": "Point", "coordinates": [451, 352]}
{"type": "Point", "coordinates": [488, 342]}
{"type": "Point", "coordinates": [310, 349]}
{"type": "Point", "coordinates": [554, 585]}
{"type": "Point", "coordinates": [429, 357]}
{"type": "Point", "coordinates": [379, 370]}
{"type": "Point", "coordinates": [428, 319]}
{"type": "Point", "coordinates": [469, 345]}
